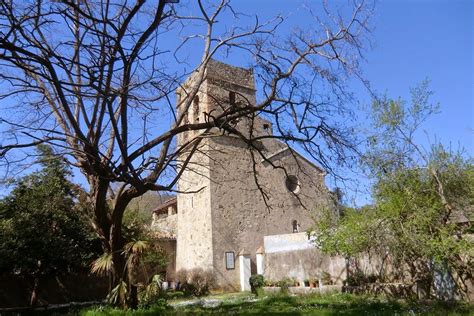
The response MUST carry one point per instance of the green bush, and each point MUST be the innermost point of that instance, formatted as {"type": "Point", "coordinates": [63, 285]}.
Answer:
{"type": "Point", "coordinates": [284, 284]}
{"type": "Point", "coordinates": [356, 278]}
{"type": "Point", "coordinates": [371, 278]}
{"type": "Point", "coordinates": [270, 283]}
{"type": "Point", "coordinates": [151, 293]}
{"type": "Point", "coordinates": [256, 282]}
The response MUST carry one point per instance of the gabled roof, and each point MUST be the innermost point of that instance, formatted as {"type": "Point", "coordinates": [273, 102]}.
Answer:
{"type": "Point", "coordinates": [297, 154]}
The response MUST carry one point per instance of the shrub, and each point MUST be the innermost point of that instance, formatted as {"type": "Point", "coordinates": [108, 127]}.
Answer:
{"type": "Point", "coordinates": [256, 282]}
{"type": "Point", "coordinates": [152, 292]}
{"type": "Point", "coordinates": [371, 278]}
{"type": "Point", "coordinates": [270, 283]}
{"type": "Point", "coordinates": [356, 278]}
{"type": "Point", "coordinates": [195, 281]}
{"type": "Point", "coordinates": [201, 281]}
{"type": "Point", "coordinates": [284, 284]}
{"type": "Point", "coordinates": [182, 276]}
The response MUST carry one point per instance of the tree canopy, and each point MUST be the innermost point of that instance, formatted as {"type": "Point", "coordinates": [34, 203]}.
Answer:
{"type": "Point", "coordinates": [41, 231]}
{"type": "Point", "coordinates": [423, 198]}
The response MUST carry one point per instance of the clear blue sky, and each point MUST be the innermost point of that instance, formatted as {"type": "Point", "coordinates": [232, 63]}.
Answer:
{"type": "Point", "coordinates": [428, 39]}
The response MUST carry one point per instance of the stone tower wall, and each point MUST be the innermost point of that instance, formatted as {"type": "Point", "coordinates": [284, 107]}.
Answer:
{"type": "Point", "coordinates": [194, 230]}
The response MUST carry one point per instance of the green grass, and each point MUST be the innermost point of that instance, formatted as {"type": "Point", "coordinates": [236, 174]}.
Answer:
{"type": "Point", "coordinates": [335, 304]}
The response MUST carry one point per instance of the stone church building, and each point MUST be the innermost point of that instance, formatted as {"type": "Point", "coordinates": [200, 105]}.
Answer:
{"type": "Point", "coordinates": [221, 226]}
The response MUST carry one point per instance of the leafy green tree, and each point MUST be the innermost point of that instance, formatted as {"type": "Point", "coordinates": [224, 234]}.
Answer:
{"type": "Point", "coordinates": [419, 196]}
{"type": "Point", "coordinates": [41, 233]}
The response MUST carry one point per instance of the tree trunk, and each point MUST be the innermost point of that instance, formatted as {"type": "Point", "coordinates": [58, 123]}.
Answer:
{"type": "Point", "coordinates": [133, 297]}
{"type": "Point", "coordinates": [117, 244]}
{"type": "Point", "coordinates": [109, 227]}
{"type": "Point", "coordinates": [34, 292]}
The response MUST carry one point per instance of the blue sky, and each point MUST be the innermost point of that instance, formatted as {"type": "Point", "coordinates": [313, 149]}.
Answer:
{"type": "Point", "coordinates": [428, 39]}
{"type": "Point", "coordinates": [412, 41]}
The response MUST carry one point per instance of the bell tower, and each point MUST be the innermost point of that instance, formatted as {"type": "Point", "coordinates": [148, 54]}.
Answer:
{"type": "Point", "coordinates": [224, 86]}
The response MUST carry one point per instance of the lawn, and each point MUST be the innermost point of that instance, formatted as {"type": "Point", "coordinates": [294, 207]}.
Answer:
{"type": "Point", "coordinates": [334, 304]}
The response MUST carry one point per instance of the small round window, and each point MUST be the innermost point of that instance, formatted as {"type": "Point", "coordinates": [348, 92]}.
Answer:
{"type": "Point", "coordinates": [292, 184]}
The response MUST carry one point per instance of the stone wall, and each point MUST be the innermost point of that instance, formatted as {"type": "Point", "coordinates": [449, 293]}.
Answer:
{"type": "Point", "coordinates": [294, 256]}
{"type": "Point", "coordinates": [169, 247]}
{"type": "Point", "coordinates": [240, 216]}
{"type": "Point", "coordinates": [166, 226]}
{"type": "Point", "coordinates": [194, 233]}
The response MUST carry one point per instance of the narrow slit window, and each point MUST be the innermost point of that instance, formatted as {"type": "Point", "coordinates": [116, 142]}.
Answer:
{"type": "Point", "coordinates": [232, 98]}
{"type": "Point", "coordinates": [196, 108]}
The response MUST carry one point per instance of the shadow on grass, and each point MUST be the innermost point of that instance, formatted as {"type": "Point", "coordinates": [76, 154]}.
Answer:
{"type": "Point", "coordinates": [336, 304]}
{"type": "Point", "coordinates": [328, 305]}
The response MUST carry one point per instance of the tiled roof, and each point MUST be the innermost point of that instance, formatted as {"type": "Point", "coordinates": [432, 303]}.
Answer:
{"type": "Point", "coordinates": [164, 206]}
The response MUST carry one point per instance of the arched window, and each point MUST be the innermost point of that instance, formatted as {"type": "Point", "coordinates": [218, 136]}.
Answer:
{"type": "Point", "coordinates": [296, 226]}
{"type": "Point", "coordinates": [196, 108]}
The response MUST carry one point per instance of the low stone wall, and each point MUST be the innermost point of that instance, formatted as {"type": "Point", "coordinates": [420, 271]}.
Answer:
{"type": "Point", "coordinates": [301, 290]}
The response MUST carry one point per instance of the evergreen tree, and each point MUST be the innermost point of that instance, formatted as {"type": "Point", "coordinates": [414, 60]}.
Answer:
{"type": "Point", "coordinates": [41, 233]}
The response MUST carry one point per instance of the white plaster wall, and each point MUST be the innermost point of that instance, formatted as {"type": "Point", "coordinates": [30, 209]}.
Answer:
{"type": "Point", "coordinates": [287, 242]}
{"type": "Point", "coordinates": [294, 256]}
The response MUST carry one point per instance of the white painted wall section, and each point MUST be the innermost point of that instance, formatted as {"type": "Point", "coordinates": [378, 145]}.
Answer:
{"type": "Point", "coordinates": [260, 268]}
{"type": "Point", "coordinates": [287, 242]}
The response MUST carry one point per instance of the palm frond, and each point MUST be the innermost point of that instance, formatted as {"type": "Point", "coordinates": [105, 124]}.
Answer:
{"type": "Point", "coordinates": [136, 247]}
{"type": "Point", "coordinates": [102, 265]}
{"type": "Point", "coordinates": [118, 294]}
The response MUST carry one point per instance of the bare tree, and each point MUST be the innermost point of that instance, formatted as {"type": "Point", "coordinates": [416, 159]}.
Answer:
{"type": "Point", "coordinates": [96, 80]}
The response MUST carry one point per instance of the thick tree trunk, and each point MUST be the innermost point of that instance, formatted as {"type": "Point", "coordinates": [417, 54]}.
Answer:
{"type": "Point", "coordinates": [117, 244]}
{"type": "Point", "coordinates": [98, 196]}
{"type": "Point", "coordinates": [109, 227]}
